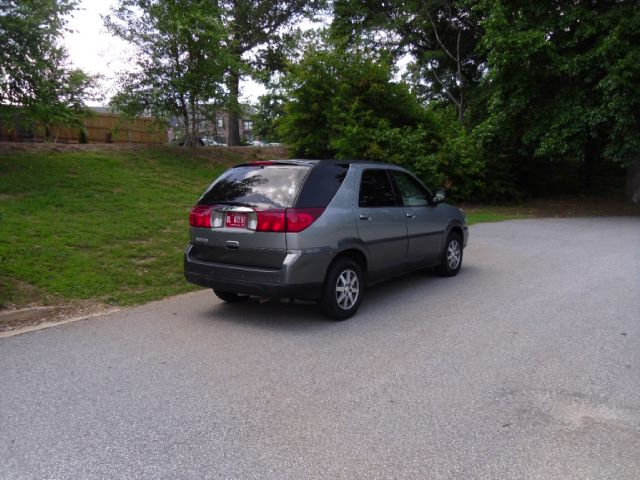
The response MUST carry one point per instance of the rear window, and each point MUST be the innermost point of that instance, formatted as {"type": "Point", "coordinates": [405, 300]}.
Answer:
{"type": "Point", "coordinates": [258, 186]}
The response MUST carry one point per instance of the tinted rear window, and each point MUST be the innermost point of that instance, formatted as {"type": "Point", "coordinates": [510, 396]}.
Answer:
{"type": "Point", "coordinates": [376, 190]}
{"type": "Point", "coordinates": [263, 186]}
{"type": "Point", "coordinates": [321, 185]}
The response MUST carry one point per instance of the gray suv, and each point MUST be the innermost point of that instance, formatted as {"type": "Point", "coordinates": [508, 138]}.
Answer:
{"type": "Point", "coordinates": [318, 229]}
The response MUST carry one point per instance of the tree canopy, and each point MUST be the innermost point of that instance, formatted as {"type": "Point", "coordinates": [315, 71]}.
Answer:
{"type": "Point", "coordinates": [563, 79]}
{"type": "Point", "coordinates": [345, 103]}
{"type": "Point", "coordinates": [538, 86]}
{"type": "Point", "coordinates": [179, 55]}
{"type": "Point", "coordinates": [257, 31]}
{"type": "Point", "coordinates": [34, 71]}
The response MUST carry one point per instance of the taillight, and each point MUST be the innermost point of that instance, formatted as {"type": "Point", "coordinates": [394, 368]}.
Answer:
{"type": "Point", "coordinates": [271, 221]}
{"type": "Point", "coordinates": [300, 218]}
{"type": "Point", "coordinates": [292, 220]}
{"type": "Point", "coordinates": [201, 216]}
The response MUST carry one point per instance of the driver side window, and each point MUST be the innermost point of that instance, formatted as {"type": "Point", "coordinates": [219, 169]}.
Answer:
{"type": "Point", "coordinates": [413, 194]}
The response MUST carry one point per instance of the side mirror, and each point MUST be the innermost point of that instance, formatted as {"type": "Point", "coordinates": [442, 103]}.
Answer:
{"type": "Point", "coordinates": [439, 196]}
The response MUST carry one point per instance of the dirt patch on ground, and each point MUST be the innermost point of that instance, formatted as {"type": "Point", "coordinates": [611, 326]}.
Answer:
{"type": "Point", "coordinates": [12, 319]}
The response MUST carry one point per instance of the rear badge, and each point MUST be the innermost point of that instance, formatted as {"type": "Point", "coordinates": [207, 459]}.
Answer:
{"type": "Point", "coordinates": [202, 239]}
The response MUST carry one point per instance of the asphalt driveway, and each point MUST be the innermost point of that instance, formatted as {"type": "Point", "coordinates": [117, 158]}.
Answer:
{"type": "Point", "coordinates": [526, 365]}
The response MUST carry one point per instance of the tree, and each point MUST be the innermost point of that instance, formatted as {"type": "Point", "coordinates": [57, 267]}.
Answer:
{"type": "Point", "coordinates": [270, 111]}
{"type": "Point", "coordinates": [180, 59]}
{"type": "Point", "coordinates": [34, 71]}
{"type": "Point", "coordinates": [256, 32]}
{"type": "Point", "coordinates": [440, 36]}
{"type": "Point", "coordinates": [338, 98]}
{"type": "Point", "coordinates": [344, 103]}
{"type": "Point", "coordinates": [563, 79]}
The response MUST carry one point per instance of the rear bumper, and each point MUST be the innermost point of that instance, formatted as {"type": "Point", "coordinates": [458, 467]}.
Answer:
{"type": "Point", "coordinates": [302, 277]}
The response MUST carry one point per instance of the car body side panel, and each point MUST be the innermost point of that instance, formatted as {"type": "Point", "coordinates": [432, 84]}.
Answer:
{"type": "Point", "coordinates": [324, 238]}
{"type": "Point", "coordinates": [383, 230]}
{"type": "Point", "coordinates": [426, 227]}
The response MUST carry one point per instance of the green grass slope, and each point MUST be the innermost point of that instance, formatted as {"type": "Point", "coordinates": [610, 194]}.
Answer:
{"type": "Point", "coordinates": [110, 225]}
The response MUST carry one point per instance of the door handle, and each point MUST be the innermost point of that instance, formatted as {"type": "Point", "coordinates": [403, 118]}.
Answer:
{"type": "Point", "coordinates": [364, 217]}
{"type": "Point", "coordinates": [410, 215]}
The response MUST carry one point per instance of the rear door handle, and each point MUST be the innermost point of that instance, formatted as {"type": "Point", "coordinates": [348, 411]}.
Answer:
{"type": "Point", "coordinates": [364, 217]}
{"type": "Point", "coordinates": [410, 215]}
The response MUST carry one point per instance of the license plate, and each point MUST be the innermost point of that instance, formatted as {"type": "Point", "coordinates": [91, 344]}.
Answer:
{"type": "Point", "coordinates": [236, 220]}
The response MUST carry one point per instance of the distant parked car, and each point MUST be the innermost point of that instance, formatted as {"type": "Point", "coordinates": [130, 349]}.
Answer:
{"type": "Point", "coordinates": [320, 230]}
{"type": "Point", "coordinates": [182, 141]}
{"type": "Point", "coordinates": [212, 143]}
{"type": "Point", "coordinates": [259, 143]}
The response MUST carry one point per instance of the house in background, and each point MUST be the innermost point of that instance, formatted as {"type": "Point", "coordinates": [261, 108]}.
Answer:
{"type": "Point", "coordinates": [216, 127]}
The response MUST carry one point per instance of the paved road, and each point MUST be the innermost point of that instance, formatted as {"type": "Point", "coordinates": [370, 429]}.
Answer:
{"type": "Point", "coordinates": [526, 365]}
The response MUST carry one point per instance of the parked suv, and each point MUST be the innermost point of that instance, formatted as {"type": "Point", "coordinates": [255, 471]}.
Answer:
{"type": "Point", "coordinates": [318, 229]}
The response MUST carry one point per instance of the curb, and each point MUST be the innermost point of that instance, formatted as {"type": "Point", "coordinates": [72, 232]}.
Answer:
{"type": "Point", "coordinates": [44, 325]}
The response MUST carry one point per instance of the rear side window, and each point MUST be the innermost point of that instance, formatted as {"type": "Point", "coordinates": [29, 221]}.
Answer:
{"type": "Point", "coordinates": [376, 190]}
{"type": "Point", "coordinates": [258, 186]}
{"type": "Point", "coordinates": [321, 185]}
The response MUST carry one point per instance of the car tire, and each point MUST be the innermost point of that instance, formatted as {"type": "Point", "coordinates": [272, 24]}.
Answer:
{"type": "Point", "coordinates": [451, 258]}
{"type": "Point", "coordinates": [343, 289]}
{"type": "Point", "coordinates": [230, 297]}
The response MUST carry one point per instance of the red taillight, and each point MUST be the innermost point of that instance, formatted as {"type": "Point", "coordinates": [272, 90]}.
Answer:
{"type": "Point", "coordinates": [271, 221]}
{"type": "Point", "coordinates": [300, 218]}
{"type": "Point", "coordinates": [201, 216]}
{"type": "Point", "coordinates": [292, 220]}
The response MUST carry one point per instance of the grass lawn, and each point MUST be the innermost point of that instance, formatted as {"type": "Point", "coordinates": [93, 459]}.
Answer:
{"type": "Point", "coordinates": [109, 225]}
{"type": "Point", "coordinates": [557, 207]}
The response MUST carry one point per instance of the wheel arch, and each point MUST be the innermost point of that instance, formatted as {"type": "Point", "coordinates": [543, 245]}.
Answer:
{"type": "Point", "coordinates": [453, 227]}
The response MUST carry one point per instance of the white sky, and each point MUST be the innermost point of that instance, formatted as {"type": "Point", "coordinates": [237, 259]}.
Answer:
{"type": "Point", "coordinates": [95, 51]}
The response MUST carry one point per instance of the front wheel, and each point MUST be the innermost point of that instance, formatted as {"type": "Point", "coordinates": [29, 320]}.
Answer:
{"type": "Point", "coordinates": [343, 289]}
{"type": "Point", "coordinates": [451, 259]}
{"type": "Point", "coordinates": [230, 297]}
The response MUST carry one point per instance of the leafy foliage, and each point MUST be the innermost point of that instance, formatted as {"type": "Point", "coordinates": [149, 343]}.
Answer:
{"type": "Point", "coordinates": [180, 58]}
{"type": "Point", "coordinates": [440, 36]}
{"type": "Point", "coordinates": [266, 121]}
{"type": "Point", "coordinates": [344, 104]}
{"type": "Point", "coordinates": [562, 79]}
{"type": "Point", "coordinates": [34, 72]}
{"type": "Point", "coordinates": [257, 33]}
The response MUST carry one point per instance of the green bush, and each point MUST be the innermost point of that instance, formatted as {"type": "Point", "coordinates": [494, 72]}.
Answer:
{"type": "Point", "coordinates": [345, 104]}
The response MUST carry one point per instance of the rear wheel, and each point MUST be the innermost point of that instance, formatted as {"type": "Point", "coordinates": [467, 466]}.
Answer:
{"type": "Point", "coordinates": [343, 289]}
{"type": "Point", "coordinates": [230, 297]}
{"type": "Point", "coordinates": [451, 259]}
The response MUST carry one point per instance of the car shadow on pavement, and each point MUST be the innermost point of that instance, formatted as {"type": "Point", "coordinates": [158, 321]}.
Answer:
{"type": "Point", "coordinates": [305, 316]}
{"type": "Point", "coordinates": [272, 314]}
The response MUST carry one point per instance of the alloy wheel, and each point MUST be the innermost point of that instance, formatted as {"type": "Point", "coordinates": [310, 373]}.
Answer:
{"type": "Point", "coordinates": [454, 254]}
{"type": "Point", "coordinates": [347, 289]}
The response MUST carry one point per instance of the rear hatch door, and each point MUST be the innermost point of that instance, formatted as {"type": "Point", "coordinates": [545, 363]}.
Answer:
{"type": "Point", "coordinates": [247, 206]}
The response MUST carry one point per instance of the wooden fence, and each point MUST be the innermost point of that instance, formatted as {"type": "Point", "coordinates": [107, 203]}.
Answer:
{"type": "Point", "coordinates": [99, 128]}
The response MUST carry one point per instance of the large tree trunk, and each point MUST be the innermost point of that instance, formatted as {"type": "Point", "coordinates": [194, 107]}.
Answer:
{"type": "Point", "coordinates": [633, 183]}
{"type": "Point", "coordinates": [234, 109]}
{"type": "Point", "coordinates": [590, 167]}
